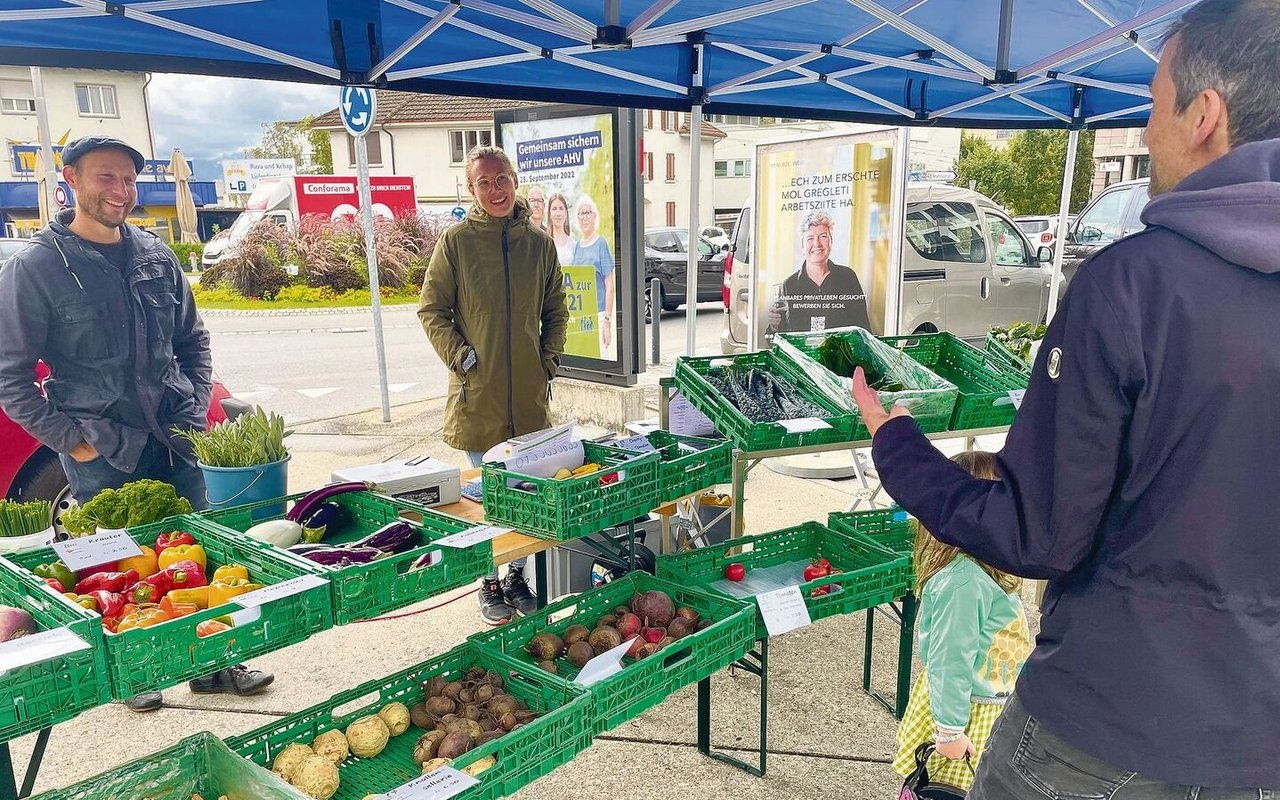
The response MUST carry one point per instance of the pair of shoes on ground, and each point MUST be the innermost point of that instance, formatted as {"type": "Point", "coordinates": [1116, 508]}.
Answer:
{"type": "Point", "coordinates": [501, 600]}
{"type": "Point", "coordinates": [238, 680]}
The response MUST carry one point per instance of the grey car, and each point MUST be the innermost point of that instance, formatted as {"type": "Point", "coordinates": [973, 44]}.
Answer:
{"type": "Point", "coordinates": [1115, 213]}
{"type": "Point", "coordinates": [666, 257]}
{"type": "Point", "coordinates": [966, 268]}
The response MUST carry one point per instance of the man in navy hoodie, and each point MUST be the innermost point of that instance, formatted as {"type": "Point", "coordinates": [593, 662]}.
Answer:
{"type": "Point", "coordinates": [1139, 477]}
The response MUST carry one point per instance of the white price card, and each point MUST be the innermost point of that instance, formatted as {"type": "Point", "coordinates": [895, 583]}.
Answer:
{"type": "Point", "coordinates": [1015, 397]}
{"type": "Point", "coordinates": [37, 647]}
{"type": "Point", "coordinates": [438, 784]}
{"type": "Point", "coordinates": [472, 536]}
{"type": "Point", "coordinates": [804, 424]}
{"type": "Point", "coordinates": [639, 443]}
{"type": "Point", "coordinates": [101, 548]}
{"type": "Point", "coordinates": [783, 610]}
{"type": "Point", "coordinates": [278, 591]}
{"type": "Point", "coordinates": [605, 665]}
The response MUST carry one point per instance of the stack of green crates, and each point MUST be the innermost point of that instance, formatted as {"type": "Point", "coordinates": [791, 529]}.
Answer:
{"type": "Point", "coordinates": [865, 574]}
{"type": "Point", "coordinates": [363, 591]}
{"type": "Point", "coordinates": [983, 381]}
{"type": "Point", "coordinates": [54, 690]}
{"type": "Point", "coordinates": [642, 684]}
{"type": "Point", "coordinates": [749, 436]}
{"type": "Point", "coordinates": [624, 488]}
{"type": "Point", "coordinates": [889, 529]}
{"type": "Point", "coordinates": [1001, 352]}
{"type": "Point", "coordinates": [930, 399]}
{"type": "Point", "coordinates": [152, 658]}
{"type": "Point", "coordinates": [561, 730]}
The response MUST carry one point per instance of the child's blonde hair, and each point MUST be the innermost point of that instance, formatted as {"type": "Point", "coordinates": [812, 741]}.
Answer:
{"type": "Point", "coordinates": [931, 555]}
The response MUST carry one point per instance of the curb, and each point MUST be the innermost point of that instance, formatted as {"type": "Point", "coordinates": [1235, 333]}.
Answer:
{"type": "Point", "coordinates": [296, 312]}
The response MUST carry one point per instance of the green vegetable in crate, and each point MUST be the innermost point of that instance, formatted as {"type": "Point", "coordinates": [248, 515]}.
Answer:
{"type": "Point", "coordinates": [24, 519]}
{"type": "Point", "coordinates": [1019, 338]}
{"type": "Point", "coordinates": [761, 395]}
{"type": "Point", "coordinates": [836, 353]}
{"type": "Point", "coordinates": [136, 503]}
{"type": "Point", "coordinates": [368, 736]}
{"type": "Point", "coordinates": [316, 777]}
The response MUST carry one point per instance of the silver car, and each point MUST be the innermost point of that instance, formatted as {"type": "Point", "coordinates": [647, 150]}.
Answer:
{"type": "Point", "coordinates": [966, 268]}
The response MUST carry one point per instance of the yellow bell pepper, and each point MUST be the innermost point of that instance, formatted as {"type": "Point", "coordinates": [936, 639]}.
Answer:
{"type": "Point", "coordinates": [199, 597]}
{"type": "Point", "coordinates": [231, 571]}
{"type": "Point", "coordinates": [142, 617]}
{"type": "Point", "coordinates": [222, 591]}
{"type": "Point", "coordinates": [145, 565]}
{"type": "Point", "coordinates": [183, 552]}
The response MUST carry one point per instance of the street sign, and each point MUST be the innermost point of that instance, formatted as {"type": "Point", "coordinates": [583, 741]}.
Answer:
{"type": "Point", "coordinates": [358, 106]}
{"type": "Point", "coordinates": [60, 196]}
{"type": "Point", "coordinates": [459, 213]}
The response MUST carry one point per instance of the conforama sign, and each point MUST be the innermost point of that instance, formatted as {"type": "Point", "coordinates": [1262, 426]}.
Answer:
{"type": "Point", "coordinates": [337, 196]}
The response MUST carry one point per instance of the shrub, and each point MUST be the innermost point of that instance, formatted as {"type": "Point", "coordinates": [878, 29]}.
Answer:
{"type": "Point", "coordinates": [183, 251]}
{"type": "Point", "coordinates": [416, 276]}
{"type": "Point", "coordinates": [256, 267]}
{"type": "Point", "coordinates": [205, 293]}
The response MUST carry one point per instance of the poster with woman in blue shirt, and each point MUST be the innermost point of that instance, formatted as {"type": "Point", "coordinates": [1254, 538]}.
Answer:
{"type": "Point", "coordinates": [592, 249]}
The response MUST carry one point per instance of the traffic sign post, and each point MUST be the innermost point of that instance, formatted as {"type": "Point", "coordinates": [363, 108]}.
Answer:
{"type": "Point", "coordinates": [459, 213]}
{"type": "Point", "coordinates": [358, 107]}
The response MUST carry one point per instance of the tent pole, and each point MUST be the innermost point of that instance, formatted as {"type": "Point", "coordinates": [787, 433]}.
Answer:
{"type": "Point", "coordinates": [1064, 207]}
{"type": "Point", "coordinates": [695, 184]}
{"type": "Point", "coordinates": [46, 142]}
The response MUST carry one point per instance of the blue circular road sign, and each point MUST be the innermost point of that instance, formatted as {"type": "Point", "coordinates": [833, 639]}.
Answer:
{"type": "Point", "coordinates": [357, 106]}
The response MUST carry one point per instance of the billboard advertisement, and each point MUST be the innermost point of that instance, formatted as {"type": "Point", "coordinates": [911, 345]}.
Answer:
{"type": "Point", "coordinates": [824, 233]}
{"type": "Point", "coordinates": [23, 162]}
{"type": "Point", "coordinates": [242, 176]}
{"type": "Point", "coordinates": [568, 162]}
{"type": "Point", "coordinates": [337, 196]}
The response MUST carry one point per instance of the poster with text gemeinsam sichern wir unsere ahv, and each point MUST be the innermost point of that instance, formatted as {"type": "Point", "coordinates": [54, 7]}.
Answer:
{"type": "Point", "coordinates": [566, 172]}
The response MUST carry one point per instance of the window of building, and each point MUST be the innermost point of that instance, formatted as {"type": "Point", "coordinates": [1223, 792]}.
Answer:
{"type": "Point", "coordinates": [648, 166]}
{"type": "Point", "coordinates": [734, 168]}
{"type": "Point", "coordinates": [666, 120]}
{"type": "Point", "coordinates": [671, 213]}
{"type": "Point", "coordinates": [373, 146]}
{"type": "Point", "coordinates": [1005, 133]}
{"type": "Point", "coordinates": [96, 100]}
{"type": "Point", "coordinates": [17, 105]}
{"type": "Point", "coordinates": [722, 169]}
{"type": "Point", "coordinates": [463, 142]}
{"type": "Point", "coordinates": [671, 167]}
{"type": "Point", "coordinates": [648, 120]}
{"type": "Point", "coordinates": [1142, 167]}
{"type": "Point", "coordinates": [733, 119]}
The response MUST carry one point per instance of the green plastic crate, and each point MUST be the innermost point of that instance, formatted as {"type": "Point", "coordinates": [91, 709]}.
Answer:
{"type": "Point", "coordinates": [867, 575]}
{"type": "Point", "coordinates": [571, 507]}
{"type": "Point", "coordinates": [43, 694]}
{"type": "Point", "coordinates": [200, 764]}
{"type": "Point", "coordinates": [641, 684]}
{"type": "Point", "coordinates": [148, 659]}
{"type": "Point", "coordinates": [930, 399]}
{"type": "Point", "coordinates": [362, 591]}
{"type": "Point", "coordinates": [684, 471]}
{"type": "Point", "coordinates": [748, 436]}
{"type": "Point", "coordinates": [983, 381]}
{"type": "Point", "coordinates": [1006, 356]}
{"type": "Point", "coordinates": [562, 731]}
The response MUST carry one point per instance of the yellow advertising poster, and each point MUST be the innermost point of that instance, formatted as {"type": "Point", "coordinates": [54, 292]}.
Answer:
{"type": "Point", "coordinates": [580, 297]}
{"type": "Point", "coordinates": [822, 241]}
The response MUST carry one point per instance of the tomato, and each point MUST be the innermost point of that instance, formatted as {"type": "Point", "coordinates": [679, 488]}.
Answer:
{"type": "Point", "coordinates": [813, 572]}
{"type": "Point", "coordinates": [823, 564]}
{"type": "Point", "coordinates": [735, 572]}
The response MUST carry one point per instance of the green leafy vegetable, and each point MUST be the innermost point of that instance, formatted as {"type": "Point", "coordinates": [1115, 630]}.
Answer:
{"type": "Point", "coordinates": [249, 440]}
{"type": "Point", "coordinates": [24, 519]}
{"type": "Point", "coordinates": [1019, 337]}
{"type": "Point", "coordinates": [762, 396]}
{"type": "Point", "coordinates": [136, 503]}
{"type": "Point", "coordinates": [837, 354]}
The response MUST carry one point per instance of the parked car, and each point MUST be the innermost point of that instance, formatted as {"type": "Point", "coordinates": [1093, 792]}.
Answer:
{"type": "Point", "coordinates": [666, 252]}
{"type": "Point", "coordinates": [1042, 231]}
{"type": "Point", "coordinates": [31, 471]}
{"type": "Point", "coordinates": [9, 247]}
{"type": "Point", "coordinates": [965, 269]}
{"type": "Point", "coordinates": [1115, 213]}
{"type": "Point", "coordinates": [716, 235]}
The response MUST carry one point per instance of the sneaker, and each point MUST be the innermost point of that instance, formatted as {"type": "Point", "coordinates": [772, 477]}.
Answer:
{"type": "Point", "coordinates": [146, 701]}
{"type": "Point", "coordinates": [493, 607]}
{"type": "Point", "coordinates": [518, 594]}
{"type": "Point", "coordinates": [239, 680]}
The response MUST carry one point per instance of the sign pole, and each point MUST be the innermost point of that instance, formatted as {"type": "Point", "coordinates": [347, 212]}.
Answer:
{"type": "Point", "coordinates": [46, 142]}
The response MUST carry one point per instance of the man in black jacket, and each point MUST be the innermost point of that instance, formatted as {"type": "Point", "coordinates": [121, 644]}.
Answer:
{"type": "Point", "coordinates": [1137, 477]}
{"type": "Point", "coordinates": [107, 308]}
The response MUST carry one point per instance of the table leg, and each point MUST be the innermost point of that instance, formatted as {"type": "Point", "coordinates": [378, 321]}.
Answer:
{"type": "Point", "coordinates": [8, 781]}
{"type": "Point", "coordinates": [757, 663]}
{"type": "Point", "coordinates": [539, 577]}
{"type": "Point", "coordinates": [738, 488]}
{"type": "Point", "coordinates": [906, 640]}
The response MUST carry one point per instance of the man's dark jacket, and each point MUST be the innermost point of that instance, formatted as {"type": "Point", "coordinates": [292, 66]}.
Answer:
{"type": "Point", "coordinates": [1140, 478]}
{"type": "Point", "coordinates": [128, 353]}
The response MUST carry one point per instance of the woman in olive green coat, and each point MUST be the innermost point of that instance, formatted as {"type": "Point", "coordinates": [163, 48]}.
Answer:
{"type": "Point", "coordinates": [493, 306]}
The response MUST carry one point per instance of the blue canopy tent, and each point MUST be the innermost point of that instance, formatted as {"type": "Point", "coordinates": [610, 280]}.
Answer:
{"type": "Point", "coordinates": [962, 63]}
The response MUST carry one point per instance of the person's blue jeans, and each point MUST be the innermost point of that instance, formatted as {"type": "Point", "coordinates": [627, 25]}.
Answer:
{"type": "Point", "coordinates": [1025, 759]}
{"type": "Point", "coordinates": [158, 462]}
{"type": "Point", "coordinates": [476, 458]}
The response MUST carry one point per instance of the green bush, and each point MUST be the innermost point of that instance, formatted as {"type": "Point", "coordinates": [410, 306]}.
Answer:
{"type": "Point", "coordinates": [416, 275]}
{"type": "Point", "coordinates": [183, 251]}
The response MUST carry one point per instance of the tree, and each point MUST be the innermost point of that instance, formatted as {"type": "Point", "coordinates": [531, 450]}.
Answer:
{"type": "Point", "coordinates": [1026, 176]}
{"type": "Point", "coordinates": [282, 139]}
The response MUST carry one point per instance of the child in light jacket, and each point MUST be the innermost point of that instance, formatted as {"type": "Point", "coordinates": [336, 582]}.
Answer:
{"type": "Point", "coordinates": [973, 640]}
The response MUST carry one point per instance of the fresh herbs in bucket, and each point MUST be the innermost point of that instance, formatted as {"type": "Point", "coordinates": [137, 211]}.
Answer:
{"type": "Point", "coordinates": [250, 440]}
{"type": "Point", "coordinates": [24, 519]}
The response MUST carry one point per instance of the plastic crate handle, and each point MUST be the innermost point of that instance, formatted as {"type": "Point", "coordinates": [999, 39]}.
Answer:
{"type": "Point", "coordinates": [678, 658]}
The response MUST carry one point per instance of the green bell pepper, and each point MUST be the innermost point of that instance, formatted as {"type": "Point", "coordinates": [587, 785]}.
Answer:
{"type": "Point", "coordinates": [59, 572]}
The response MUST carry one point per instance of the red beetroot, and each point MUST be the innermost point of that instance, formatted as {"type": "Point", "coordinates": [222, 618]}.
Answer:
{"type": "Point", "coordinates": [654, 635]}
{"type": "Point", "coordinates": [656, 607]}
{"type": "Point", "coordinates": [636, 645]}
{"type": "Point", "coordinates": [628, 625]}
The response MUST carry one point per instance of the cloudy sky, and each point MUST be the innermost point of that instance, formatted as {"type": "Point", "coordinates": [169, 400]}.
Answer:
{"type": "Point", "coordinates": [216, 118]}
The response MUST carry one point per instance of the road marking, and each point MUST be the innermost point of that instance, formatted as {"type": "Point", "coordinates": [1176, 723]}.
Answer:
{"type": "Point", "coordinates": [396, 387]}
{"type": "Point", "coordinates": [317, 393]}
{"type": "Point", "coordinates": [255, 396]}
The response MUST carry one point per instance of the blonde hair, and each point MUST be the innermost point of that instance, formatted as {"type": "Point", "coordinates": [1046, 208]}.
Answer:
{"type": "Point", "coordinates": [930, 556]}
{"type": "Point", "coordinates": [482, 151]}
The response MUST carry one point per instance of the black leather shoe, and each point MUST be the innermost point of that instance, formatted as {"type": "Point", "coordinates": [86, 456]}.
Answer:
{"type": "Point", "coordinates": [146, 701]}
{"type": "Point", "coordinates": [518, 594]}
{"type": "Point", "coordinates": [238, 680]}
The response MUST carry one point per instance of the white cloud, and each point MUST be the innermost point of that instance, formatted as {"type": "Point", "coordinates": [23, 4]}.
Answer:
{"type": "Point", "coordinates": [214, 118]}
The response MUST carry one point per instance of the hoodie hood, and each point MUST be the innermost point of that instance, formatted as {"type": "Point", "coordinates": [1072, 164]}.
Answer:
{"type": "Point", "coordinates": [1231, 207]}
{"type": "Point", "coordinates": [519, 214]}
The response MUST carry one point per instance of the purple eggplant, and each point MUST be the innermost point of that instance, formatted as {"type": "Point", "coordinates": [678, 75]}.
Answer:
{"type": "Point", "coordinates": [342, 556]}
{"type": "Point", "coordinates": [396, 537]}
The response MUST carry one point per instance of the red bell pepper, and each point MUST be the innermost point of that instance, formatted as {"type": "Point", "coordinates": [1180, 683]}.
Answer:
{"type": "Point", "coordinates": [107, 581]}
{"type": "Point", "coordinates": [110, 604]}
{"type": "Point", "coordinates": [172, 539]}
{"type": "Point", "coordinates": [56, 586]}
{"type": "Point", "coordinates": [112, 622]}
{"type": "Point", "coordinates": [182, 575]}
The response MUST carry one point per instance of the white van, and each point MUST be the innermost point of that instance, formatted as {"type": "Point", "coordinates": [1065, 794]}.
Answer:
{"type": "Point", "coordinates": [966, 267]}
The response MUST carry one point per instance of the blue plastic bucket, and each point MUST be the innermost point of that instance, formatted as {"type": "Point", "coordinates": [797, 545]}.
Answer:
{"type": "Point", "coordinates": [226, 487]}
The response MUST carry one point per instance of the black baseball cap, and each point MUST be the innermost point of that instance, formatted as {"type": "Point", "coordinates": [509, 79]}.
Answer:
{"type": "Point", "coordinates": [72, 151]}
